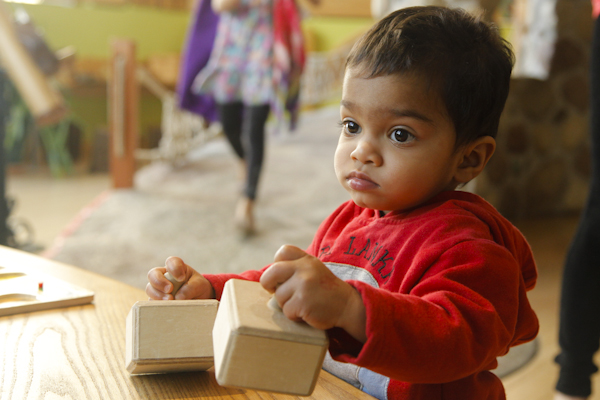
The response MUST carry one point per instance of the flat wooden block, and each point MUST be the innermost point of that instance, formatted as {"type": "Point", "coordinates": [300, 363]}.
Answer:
{"type": "Point", "coordinates": [258, 347]}
{"type": "Point", "coordinates": [170, 336]}
{"type": "Point", "coordinates": [22, 292]}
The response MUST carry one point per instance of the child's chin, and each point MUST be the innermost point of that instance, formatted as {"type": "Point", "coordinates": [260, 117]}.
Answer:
{"type": "Point", "coordinates": [362, 203]}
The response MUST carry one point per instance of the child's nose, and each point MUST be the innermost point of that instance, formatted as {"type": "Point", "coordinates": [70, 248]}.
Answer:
{"type": "Point", "coordinates": [367, 152]}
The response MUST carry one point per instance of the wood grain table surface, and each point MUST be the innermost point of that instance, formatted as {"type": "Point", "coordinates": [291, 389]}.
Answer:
{"type": "Point", "coordinates": [79, 352]}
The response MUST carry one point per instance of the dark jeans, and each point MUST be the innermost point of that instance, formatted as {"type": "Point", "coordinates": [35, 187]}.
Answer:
{"type": "Point", "coordinates": [244, 127]}
{"type": "Point", "coordinates": [579, 333]}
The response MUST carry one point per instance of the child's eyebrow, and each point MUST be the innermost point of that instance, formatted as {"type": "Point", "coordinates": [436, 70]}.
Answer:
{"type": "Point", "coordinates": [346, 104]}
{"type": "Point", "coordinates": [409, 113]}
{"type": "Point", "coordinates": [394, 111]}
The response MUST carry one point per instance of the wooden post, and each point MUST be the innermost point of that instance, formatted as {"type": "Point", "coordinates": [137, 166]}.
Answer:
{"type": "Point", "coordinates": [123, 101]}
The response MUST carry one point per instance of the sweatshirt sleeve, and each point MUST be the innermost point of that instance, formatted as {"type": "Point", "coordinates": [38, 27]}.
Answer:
{"type": "Point", "coordinates": [218, 280]}
{"type": "Point", "coordinates": [465, 311]}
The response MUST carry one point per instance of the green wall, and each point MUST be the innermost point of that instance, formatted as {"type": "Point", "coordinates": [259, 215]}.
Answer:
{"type": "Point", "coordinates": [331, 32]}
{"type": "Point", "coordinates": [90, 28]}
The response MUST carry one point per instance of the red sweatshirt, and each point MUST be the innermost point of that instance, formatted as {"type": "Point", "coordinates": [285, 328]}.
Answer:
{"type": "Point", "coordinates": [444, 287]}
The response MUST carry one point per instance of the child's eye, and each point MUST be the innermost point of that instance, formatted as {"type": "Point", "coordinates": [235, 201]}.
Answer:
{"type": "Point", "coordinates": [351, 127]}
{"type": "Point", "coordinates": [401, 135]}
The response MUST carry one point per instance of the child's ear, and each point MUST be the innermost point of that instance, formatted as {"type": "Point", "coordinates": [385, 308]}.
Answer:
{"type": "Point", "coordinates": [474, 157]}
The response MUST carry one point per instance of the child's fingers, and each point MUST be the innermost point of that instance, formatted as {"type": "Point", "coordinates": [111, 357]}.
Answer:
{"type": "Point", "coordinates": [177, 268]}
{"type": "Point", "coordinates": [156, 278]}
{"type": "Point", "coordinates": [277, 274]}
{"type": "Point", "coordinates": [155, 294]}
{"type": "Point", "coordinates": [283, 295]}
{"type": "Point", "coordinates": [287, 252]}
{"type": "Point", "coordinates": [197, 287]}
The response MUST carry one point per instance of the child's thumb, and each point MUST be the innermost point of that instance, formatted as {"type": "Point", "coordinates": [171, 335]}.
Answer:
{"type": "Point", "coordinates": [177, 268]}
{"type": "Point", "coordinates": [287, 252]}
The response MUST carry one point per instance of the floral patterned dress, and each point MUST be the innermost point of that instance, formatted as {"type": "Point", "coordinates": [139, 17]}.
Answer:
{"type": "Point", "coordinates": [240, 67]}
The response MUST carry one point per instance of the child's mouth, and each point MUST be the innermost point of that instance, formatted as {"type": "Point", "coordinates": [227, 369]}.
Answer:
{"type": "Point", "coordinates": [360, 181]}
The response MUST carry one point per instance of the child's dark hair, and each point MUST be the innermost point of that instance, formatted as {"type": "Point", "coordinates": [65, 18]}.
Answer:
{"type": "Point", "coordinates": [463, 57]}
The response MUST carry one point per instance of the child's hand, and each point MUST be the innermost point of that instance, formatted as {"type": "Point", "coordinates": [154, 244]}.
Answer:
{"type": "Point", "coordinates": [195, 285]}
{"type": "Point", "coordinates": [307, 290]}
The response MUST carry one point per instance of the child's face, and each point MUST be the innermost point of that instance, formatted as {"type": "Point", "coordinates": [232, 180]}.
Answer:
{"type": "Point", "coordinates": [397, 146]}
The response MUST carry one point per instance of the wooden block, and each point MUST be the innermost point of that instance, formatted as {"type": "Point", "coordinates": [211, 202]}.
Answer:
{"type": "Point", "coordinates": [170, 336]}
{"type": "Point", "coordinates": [175, 282]}
{"type": "Point", "coordinates": [21, 292]}
{"type": "Point", "coordinates": [258, 347]}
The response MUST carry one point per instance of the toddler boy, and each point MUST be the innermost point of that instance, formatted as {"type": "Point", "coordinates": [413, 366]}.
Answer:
{"type": "Point", "coordinates": [421, 287]}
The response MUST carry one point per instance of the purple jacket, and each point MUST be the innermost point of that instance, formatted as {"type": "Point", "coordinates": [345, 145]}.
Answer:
{"type": "Point", "coordinates": [196, 53]}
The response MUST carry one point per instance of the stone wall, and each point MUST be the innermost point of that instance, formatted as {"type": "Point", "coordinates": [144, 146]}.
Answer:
{"type": "Point", "coordinates": [542, 163]}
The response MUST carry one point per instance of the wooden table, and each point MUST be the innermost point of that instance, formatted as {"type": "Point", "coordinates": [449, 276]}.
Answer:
{"type": "Point", "coordinates": [79, 352]}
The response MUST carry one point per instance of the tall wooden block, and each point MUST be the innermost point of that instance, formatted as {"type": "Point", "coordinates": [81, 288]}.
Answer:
{"type": "Point", "coordinates": [170, 336]}
{"type": "Point", "coordinates": [257, 347]}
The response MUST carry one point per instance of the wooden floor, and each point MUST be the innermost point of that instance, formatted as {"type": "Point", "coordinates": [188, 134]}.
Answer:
{"type": "Point", "coordinates": [549, 240]}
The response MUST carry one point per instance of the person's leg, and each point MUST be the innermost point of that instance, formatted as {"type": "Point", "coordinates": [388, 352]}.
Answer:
{"type": "Point", "coordinates": [579, 331]}
{"type": "Point", "coordinates": [254, 143]}
{"type": "Point", "coordinates": [231, 117]}
{"type": "Point", "coordinates": [253, 139]}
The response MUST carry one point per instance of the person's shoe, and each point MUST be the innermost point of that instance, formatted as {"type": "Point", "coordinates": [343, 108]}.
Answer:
{"type": "Point", "coordinates": [244, 215]}
{"type": "Point", "coordinates": [562, 396]}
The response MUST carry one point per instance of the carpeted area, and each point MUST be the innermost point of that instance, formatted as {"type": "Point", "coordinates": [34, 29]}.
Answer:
{"type": "Point", "coordinates": [188, 212]}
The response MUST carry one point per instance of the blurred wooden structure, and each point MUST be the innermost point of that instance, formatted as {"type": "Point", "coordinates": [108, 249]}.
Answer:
{"type": "Point", "coordinates": [181, 131]}
{"type": "Point", "coordinates": [123, 100]}
{"type": "Point", "coordinates": [44, 102]}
